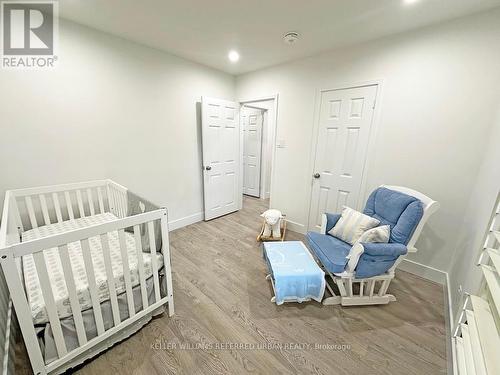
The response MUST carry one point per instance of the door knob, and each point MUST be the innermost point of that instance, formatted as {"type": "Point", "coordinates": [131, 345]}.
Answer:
{"type": "Point", "coordinates": [208, 167]}
{"type": "Point", "coordinates": [316, 175]}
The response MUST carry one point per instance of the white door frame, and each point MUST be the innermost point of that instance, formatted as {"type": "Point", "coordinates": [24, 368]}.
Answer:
{"type": "Point", "coordinates": [374, 130]}
{"type": "Point", "coordinates": [242, 102]}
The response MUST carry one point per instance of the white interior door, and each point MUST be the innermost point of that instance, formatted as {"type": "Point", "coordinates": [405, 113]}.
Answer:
{"type": "Point", "coordinates": [252, 121]}
{"type": "Point", "coordinates": [221, 156]}
{"type": "Point", "coordinates": [345, 119]}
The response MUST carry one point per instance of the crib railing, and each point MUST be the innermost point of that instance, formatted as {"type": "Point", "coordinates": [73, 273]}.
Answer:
{"type": "Point", "coordinates": [51, 204]}
{"type": "Point", "coordinates": [117, 197]}
{"type": "Point", "coordinates": [108, 196]}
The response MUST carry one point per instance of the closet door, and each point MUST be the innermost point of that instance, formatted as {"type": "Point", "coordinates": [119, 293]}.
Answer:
{"type": "Point", "coordinates": [345, 119]}
{"type": "Point", "coordinates": [252, 150]}
{"type": "Point", "coordinates": [221, 157]}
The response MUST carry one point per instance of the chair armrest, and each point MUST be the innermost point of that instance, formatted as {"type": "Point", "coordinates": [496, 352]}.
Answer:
{"type": "Point", "coordinates": [384, 249]}
{"type": "Point", "coordinates": [331, 220]}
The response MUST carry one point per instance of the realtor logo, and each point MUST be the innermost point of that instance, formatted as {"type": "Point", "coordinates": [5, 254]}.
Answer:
{"type": "Point", "coordinates": [29, 31]}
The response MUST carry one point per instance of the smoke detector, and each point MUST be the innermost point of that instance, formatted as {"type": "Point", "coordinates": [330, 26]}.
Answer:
{"type": "Point", "coordinates": [290, 37]}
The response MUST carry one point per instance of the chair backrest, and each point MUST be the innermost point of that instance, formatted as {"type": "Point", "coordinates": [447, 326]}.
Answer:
{"type": "Point", "coordinates": [404, 209]}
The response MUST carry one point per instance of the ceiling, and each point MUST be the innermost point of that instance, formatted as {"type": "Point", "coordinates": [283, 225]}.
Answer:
{"type": "Point", "coordinates": [205, 30]}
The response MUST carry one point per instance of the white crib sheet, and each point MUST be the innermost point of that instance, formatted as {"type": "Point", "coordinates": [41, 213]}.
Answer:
{"type": "Point", "coordinates": [55, 270]}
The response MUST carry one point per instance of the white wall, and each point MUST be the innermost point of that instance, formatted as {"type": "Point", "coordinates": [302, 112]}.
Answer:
{"type": "Point", "coordinates": [463, 270]}
{"type": "Point", "coordinates": [112, 109]}
{"type": "Point", "coordinates": [440, 90]}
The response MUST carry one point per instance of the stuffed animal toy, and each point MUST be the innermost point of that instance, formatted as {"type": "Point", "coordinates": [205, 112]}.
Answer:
{"type": "Point", "coordinates": [272, 223]}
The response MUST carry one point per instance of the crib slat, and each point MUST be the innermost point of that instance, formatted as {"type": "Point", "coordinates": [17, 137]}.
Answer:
{"type": "Point", "coordinates": [31, 211]}
{"type": "Point", "coordinates": [126, 272]}
{"type": "Point", "coordinates": [99, 198]}
{"type": "Point", "coordinates": [45, 211]}
{"type": "Point", "coordinates": [119, 206]}
{"type": "Point", "coordinates": [80, 203]}
{"type": "Point", "coordinates": [111, 203]}
{"type": "Point", "coordinates": [23, 313]}
{"type": "Point", "coordinates": [69, 205]}
{"type": "Point", "coordinates": [91, 201]}
{"type": "Point", "coordinates": [123, 198]}
{"type": "Point", "coordinates": [17, 216]}
{"type": "Point", "coordinates": [73, 297]}
{"type": "Point", "coordinates": [371, 287]}
{"type": "Point", "coordinates": [110, 278]}
{"type": "Point", "coordinates": [117, 203]}
{"type": "Point", "coordinates": [140, 265]}
{"type": "Point", "coordinates": [361, 288]}
{"type": "Point", "coordinates": [154, 261]}
{"type": "Point", "coordinates": [94, 296]}
{"type": "Point", "coordinates": [57, 207]}
{"type": "Point", "coordinates": [123, 204]}
{"type": "Point", "coordinates": [50, 303]}
{"type": "Point", "coordinates": [349, 286]}
{"type": "Point", "coordinates": [166, 262]}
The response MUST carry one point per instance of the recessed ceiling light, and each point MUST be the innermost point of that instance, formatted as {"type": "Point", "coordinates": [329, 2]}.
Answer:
{"type": "Point", "coordinates": [233, 56]}
{"type": "Point", "coordinates": [408, 2]}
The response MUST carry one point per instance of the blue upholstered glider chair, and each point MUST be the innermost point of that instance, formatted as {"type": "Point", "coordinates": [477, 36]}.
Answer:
{"type": "Point", "coordinates": [372, 265]}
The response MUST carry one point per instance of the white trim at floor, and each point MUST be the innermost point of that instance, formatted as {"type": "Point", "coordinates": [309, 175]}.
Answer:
{"type": "Point", "coordinates": [295, 227]}
{"type": "Point", "coordinates": [184, 221]}
{"type": "Point", "coordinates": [427, 272]}
{"type": "Point", "coordinates": [199, 216]}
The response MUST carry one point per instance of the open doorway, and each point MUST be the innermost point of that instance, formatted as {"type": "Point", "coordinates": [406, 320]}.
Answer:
{"type": "Point", "coordinates": [225, 125]}
{"type": "Point", "coordinates": [258, 127]}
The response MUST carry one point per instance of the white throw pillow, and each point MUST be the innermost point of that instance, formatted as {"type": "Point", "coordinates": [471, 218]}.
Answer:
{"type": "Point", "coordinates": [379, 234]}
{"type": "Point", "coordinates": [351, 225]}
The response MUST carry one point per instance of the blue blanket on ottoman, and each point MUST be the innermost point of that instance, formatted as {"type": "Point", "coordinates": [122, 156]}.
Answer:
{"type": "Point", "coordinates": [296, 275]}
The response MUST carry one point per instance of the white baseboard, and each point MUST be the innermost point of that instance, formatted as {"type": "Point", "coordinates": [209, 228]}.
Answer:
{"type": "Point", "coordinates": [187, 220]}
{"type": "Point", "coordinates": [295, 227]}
{"type": "Point", "coordinates": [427, 272]}
{"type": "Point", "coordinates": [199, 216]}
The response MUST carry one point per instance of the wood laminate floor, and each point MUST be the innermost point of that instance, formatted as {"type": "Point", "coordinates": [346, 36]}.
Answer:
{"type": "Point", "coordinates": [226, 324]}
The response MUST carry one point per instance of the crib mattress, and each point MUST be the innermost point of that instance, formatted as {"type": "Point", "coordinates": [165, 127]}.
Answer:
{"type": "Point", "coordinates": [56, 274]}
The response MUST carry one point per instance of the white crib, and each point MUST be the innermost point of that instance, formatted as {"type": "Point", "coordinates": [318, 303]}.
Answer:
{"type": "Point", "coordinates": [45, 209]}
